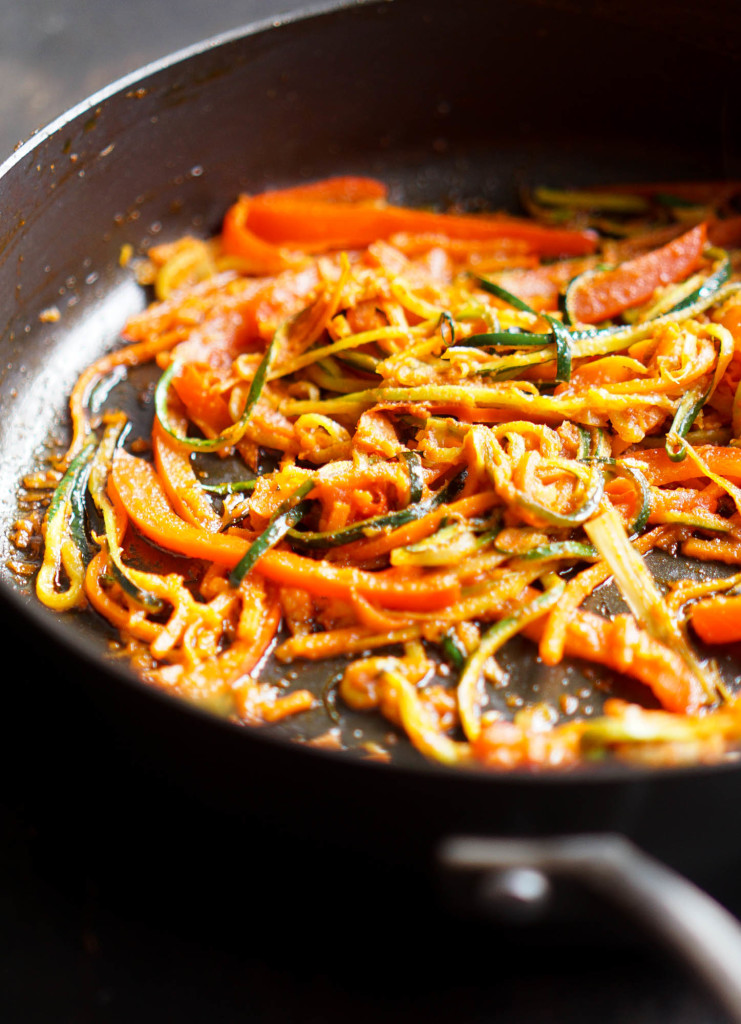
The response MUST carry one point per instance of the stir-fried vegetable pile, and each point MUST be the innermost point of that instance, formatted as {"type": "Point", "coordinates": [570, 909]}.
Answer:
{"type": "Point", "coordinates": [474, 422]}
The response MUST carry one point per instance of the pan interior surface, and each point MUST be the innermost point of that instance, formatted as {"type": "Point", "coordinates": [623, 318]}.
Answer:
{"type": "Point", "coordinates": [435, 101]}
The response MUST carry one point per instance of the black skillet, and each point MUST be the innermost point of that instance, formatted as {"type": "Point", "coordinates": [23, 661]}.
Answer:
{"type": "Point", "coordinates": [462, 102]}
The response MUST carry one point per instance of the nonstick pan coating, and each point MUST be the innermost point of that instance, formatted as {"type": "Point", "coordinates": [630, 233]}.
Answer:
{"type": "Point", "coordinates": [461, 102]}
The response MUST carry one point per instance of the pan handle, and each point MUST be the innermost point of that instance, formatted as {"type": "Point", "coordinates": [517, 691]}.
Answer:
{"type": "Point", "coordinates": [518, 880]}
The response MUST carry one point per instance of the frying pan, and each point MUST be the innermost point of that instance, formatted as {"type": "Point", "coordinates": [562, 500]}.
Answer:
{"type": "Point", "coordinates": [462, 103]}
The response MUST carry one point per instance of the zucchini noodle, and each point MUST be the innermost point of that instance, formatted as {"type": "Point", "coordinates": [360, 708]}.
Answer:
{"type": "Point", "coordinates": [406, 440]}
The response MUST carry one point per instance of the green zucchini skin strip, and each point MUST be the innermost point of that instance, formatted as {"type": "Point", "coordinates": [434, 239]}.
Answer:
{"type": "Point", "coordinates": [566, 303]}
{"type": "Point", "coordinates": [446, 326]}
{"type": "Point", "coordinates": [506, 339]}
{"type": "Point", "coordinates": [584, 512]}
{"type": "Point", "coordinates": [59, 527]}
{"type": "Point", "coordinates": [644, 494]}
{"type": "Point", "coordinates": [562, 519]}
{"type": "Point", "coordinates": [238, 487]}
{"type": "Point", "coordinates": [585, 443]}
{"type": "Point", "coordinates": [559, 334]}
{"type": "Point", "coordinates": [66, 485]}
{"type": "Point", "coordinates": [513, 372]}
{"type": "Point", "coordinates": [453, 649]}
{"type": "Point", "coordinates": [687, 411]}
{"type": "Point", "coordinates": [712, 284]}
{"type": "Point", "coordinates": [561, 549]}
{"type": "Point", "coordinates": [358, 360]}
{"type": "Point", "coordinates": [389, 521]}
{"type": "Point", "coordinates": [69, 498]}
{"type": "Point", "coordinates": [604, 732]}
{"type": "Point", "coordinates": [601, 341]}
{"type": "Point", "coordinates": [416, 479]}
{"type": "Point", "coordinates": [232, 434]}
{"type": "Point", "coordinates": [288, 514]}
{"type": "Point", "coordinates": [77, 515]}
{"type": "Point", "coordinates": [613, 467]}
{"type": "Point", "coordinates": [502, 293]}
{"type": "Point", "coordinates": [112, 439]}
{"type": "Point", "coordinates": [592, 444]}
{"type": "Point", "coordinates": [563, 350]}
{"type": "Point", "coordinates": [329, 697]}
{"type": "Point", "coordinates": [494, 638]}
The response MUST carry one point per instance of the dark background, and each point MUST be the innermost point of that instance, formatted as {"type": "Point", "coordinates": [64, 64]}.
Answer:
{"type": "Point", "coordinates": [125, 899]}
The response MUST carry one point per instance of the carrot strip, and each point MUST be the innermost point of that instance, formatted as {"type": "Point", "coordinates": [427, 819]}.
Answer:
{"type": "Point", "coordinates": [621, 645]}
{"type": "Point", "coordinates": [236, 661]}
{"type": "Point", "coordinates": [135, 623]}
{"type": "Point", "coordinates": [418, 529]}
{"type": "Point", "coordinates": [140, 491]}
{"type": "Point", "coordinates": [186, 495]}
{"type": "Point", "coordinates": [350, 640]}
{"type": "Point", "coordinates": [719, 549]}
{"type": "Point", "coordinates": [682, 500]}
{"type": "Point", "coordinates": [200, 391]}
{"type": "Point", "coordinates": [624, 647]}
{"type": "Point", "coordinates": [290, 704]}
{"type": "Point", "coordinates": [602, 295]}
{"type": "Point", "coordinates": [391, 588]}
{"type": "Point", "coordinates": [554, 638]}
{"type": "Point", "coordinates": [717, 620]}
{"type": "Point", "coordinates": [375, 618]}
{"type": "Point", "coordinates": [259, 256]}
{"type": "Point", "coordinates": [264, 257]}
{"type": "Point", "coordinates": [659, 469]}
{"type": "Point", "coordinates": [135, 484]}
{"type": "Point", "coordinates": [341, 188]}
{"type": "Point", "coordinates": [307, 224]}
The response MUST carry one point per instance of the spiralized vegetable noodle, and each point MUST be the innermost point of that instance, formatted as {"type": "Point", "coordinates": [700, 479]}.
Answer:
{"type": "Point", "coordinates": [448, 429]}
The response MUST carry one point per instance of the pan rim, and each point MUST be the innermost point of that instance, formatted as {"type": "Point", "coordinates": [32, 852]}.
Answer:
{"type": "Point", "coordinates": [579, 775]}
{"type": "Point", "coordinates": [179, 56]}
